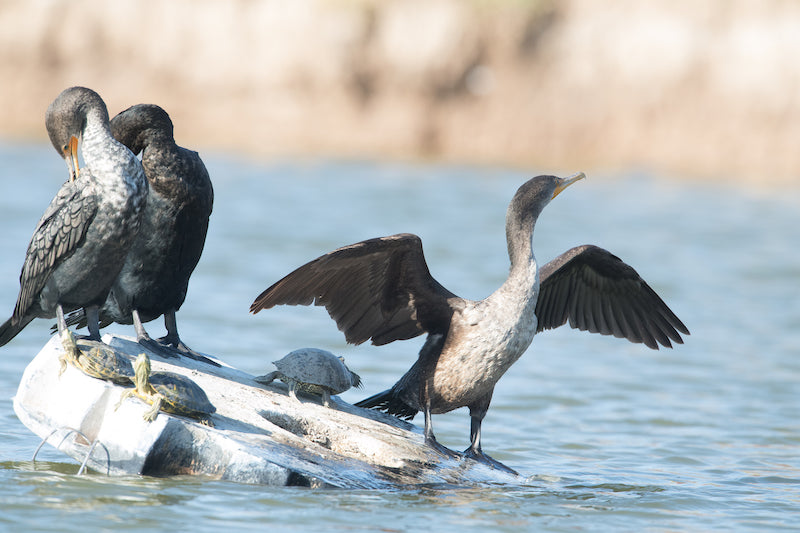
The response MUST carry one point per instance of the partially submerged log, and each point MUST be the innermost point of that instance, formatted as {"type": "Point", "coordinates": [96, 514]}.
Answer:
{"type": "Point", "coordinates": [260, 434]}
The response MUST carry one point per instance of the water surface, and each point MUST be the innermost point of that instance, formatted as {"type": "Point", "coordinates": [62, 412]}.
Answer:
{"type": "Point", "coordinates": [610, 435]}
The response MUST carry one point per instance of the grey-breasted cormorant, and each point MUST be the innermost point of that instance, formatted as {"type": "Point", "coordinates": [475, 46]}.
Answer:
{"type": "Point", "coordinates": [155, 277]}
{"type": "Point", "coordinates": [80, 243]}
{"type": "Point", "coordinates": [381, 289]}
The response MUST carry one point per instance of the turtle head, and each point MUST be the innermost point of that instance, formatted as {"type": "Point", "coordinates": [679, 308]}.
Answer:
{"type": "Point", "coordinates": [355, 378]}
{"type": "Point", "coordinates": [141, 367]}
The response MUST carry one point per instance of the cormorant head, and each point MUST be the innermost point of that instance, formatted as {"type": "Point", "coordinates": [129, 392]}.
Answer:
{"type": "Point", "coordinates": [535, 194]}
{"type": "Point", "coordinates": [65, 121]}
{"type": "Point", "coordinates": [138, 125]}
{"type": "Point", "coordinates": [525, 208]}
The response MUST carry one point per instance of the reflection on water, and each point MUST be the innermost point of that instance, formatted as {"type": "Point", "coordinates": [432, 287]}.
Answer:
{"type": "Point", "coordinates": [611, 435]}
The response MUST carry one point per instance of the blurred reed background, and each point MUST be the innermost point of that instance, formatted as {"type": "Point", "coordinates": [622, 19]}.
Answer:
{"type": "Point", "coordinates": [697, 89]}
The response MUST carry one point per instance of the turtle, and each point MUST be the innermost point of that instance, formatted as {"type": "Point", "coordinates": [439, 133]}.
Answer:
{"type": "Point", "coordinates": [101, 361]}
{"type": "Point", "coordinates": [169, 392]}
{"type": "Point", "coordinates": [314, 371]}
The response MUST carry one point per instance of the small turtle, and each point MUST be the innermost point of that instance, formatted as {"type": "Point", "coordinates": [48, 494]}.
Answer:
{"type": "Point", "coordinates": [100, 362]}
{"type": "Point", "coordinates": [314, 371]}
{"type": "Point", "coordinates": [170, 392]}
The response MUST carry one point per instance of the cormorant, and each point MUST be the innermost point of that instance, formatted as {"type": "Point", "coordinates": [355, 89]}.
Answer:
{"type": "Point", "coordinates": [381, 289]}
{"type": "Point", "coordinates": [79, 245]}
{"type": "Point", "coordinates": [155, 277]}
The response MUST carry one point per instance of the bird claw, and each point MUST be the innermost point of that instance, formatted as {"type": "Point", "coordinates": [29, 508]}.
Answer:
{"type": "Point", "coordinates": [180, 349]}
{"type": "Point", "coordinates": [165, 348]}
{"type": "Point", "coordinates": [89, 338]}
{"type": "Point", "coordinates": [158, 348]}
{"type": "Point", "coordinates": [441, 449]}
{"type": "Point", "coordinates": [481, 457]}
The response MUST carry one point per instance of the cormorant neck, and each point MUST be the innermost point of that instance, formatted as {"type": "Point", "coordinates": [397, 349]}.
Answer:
{"type": "Point", "coordinates": [95, 135]}
{"type": "Point", "coordinates": [519, 235]}
{"type": "Point", "coordinates": [109, 160]}
{"type": "Point", "coordinates": [518, 291]}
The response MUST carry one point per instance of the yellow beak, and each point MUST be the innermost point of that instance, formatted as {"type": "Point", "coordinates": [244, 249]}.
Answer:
{"type": "Point", "coordinates": [71, 157]}
{"type": "Point", "coordinates": [563, 183]}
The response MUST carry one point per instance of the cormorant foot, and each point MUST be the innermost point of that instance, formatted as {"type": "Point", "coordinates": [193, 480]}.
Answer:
{"type": "Point", "coordinates": [441, 449]}
{"type": "Point", "coordinates": [471, 453]}
{"type": "Point", "coordinates": [183, 350]}
{"type": "Point", "coordinates": [157, 348]}
{"type": "Point", "coordinates": [91, 338]}
{"type": "Point", "coordinates": [167, 349]}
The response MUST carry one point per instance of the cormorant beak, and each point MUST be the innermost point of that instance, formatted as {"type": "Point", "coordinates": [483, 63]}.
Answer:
{"type": "Point", "coordinates": [563, 183]}
{"type": "Point", "coordinates": [71, 157]}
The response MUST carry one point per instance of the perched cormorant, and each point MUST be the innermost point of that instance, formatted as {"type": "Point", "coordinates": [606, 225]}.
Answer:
{"type": "Point", "coordinates": [79, 245]}
{"type": "Point", "coordinates": [155, 277]}
{"type": "Point", "coordinates": [381, 289]}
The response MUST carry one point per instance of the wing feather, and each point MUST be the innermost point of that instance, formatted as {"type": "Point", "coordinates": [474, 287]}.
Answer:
{"type": "Point", "coordinates": [597, 292]}
{"type": "Point", "coordinates": [60, 230]}
{"type": "Point", "coordinates": [379, 289]}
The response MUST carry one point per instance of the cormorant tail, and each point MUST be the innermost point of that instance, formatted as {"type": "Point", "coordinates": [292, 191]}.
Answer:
{"type": "Point", "coordinates": [9, 330]}
{"type": "Point", "coordinates": [389, 402]}
{"type": "Point", "coordinates": [77, 318]}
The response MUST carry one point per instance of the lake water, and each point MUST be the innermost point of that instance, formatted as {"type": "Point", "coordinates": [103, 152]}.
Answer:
{"type": "Point", "coordinates": [610, 435]}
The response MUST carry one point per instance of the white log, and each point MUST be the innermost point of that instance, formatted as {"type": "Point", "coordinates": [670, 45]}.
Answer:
{"type": "Point", "coordinates": [260, 434]}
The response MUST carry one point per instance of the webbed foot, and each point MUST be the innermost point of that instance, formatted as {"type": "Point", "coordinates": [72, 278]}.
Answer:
{"type": "Point", "coordinates": [442, 449]}
{"type": "Point", "coordinates": [158, 348]}
{"type": "Point", "coordinates": [168, 350]}
{"type": "Point", "coordinates": [90, 338]}
{"type": "Point", "coordinates": [477, 455]}
{"type": "Point", "coordinates": [179, 349]}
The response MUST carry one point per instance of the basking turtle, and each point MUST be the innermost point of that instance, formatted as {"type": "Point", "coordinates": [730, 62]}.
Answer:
{"type": "Point", "coordinates": [100, 362]}
{"type": "Point", "coordinates": [314, 371]}
{"type": "Point", "coordinates": [169, 392]}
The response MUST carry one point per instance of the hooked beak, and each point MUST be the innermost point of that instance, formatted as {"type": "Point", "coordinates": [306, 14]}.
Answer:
{"type": "Point", "coordinates": [71, 157]}
{"type": "Point", "coordinates": [563, 183]}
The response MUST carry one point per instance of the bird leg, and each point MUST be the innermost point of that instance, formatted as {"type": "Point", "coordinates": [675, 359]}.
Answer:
{"type": "Point", "coordinates": [93, 322]}
{"type": "Point", "coordinates": [172, 341]}
{"type": "Point", "coordinates": [169, 346]}
{"type": "Point", "coordinates": [430, 439]}
{"type": "Point", "coordinates": [92, 313]}
{"type": "Point", "coordinates": [60, 321]}
{"type": "Point", "coordinates": [474, 451]}
{"type": "Point", "coordinates": [144, 339]}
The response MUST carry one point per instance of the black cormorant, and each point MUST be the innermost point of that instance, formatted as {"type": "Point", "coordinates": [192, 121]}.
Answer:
{"type": "Point", "coordinates": [79, 245]}
{"type": "Point", "coordinates": [155, 277]}
{"type": "Point", "coordinates": [381, 289]}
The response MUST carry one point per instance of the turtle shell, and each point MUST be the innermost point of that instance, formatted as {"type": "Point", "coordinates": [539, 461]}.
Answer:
{"type": "Point", "coordinates": [181, 395]}
{"type": "Point", "coordinates": [101, 361]}
{"type": "Point", "coordinates": [104, 363]}
{"type": "Point", "coordinates": [320, 368]}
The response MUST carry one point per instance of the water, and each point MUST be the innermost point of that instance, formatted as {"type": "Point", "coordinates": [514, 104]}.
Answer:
{"type": "Point", "coordinates": [611, 435]}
